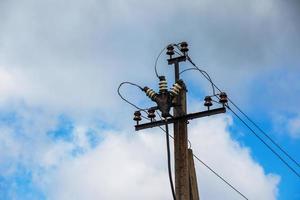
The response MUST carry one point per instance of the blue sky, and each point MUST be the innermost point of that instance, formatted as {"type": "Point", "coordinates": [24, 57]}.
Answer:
{"type": "Point", "coordinates": [65, 133]}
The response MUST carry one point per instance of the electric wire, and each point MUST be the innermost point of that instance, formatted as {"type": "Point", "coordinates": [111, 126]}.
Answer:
{"type": "Point", "coordinates": [206, 75]}
{"type": "Point", "coordinates": [220, 177]}
{"type": "Point", "coordinates": [167, 136]}
{"type": "Point", "coordinates": [190, 144]}
{"type": "Point", "coordinates": [119, 93]}
{"type": "Point", "coordinates": [156, 60]}
{"type": "Point", "coordinates": [269, 147]}
{"type": "Point", "coordinates": [209, 168]}
{"type": "Point", "coordinates": [169, 159]}
{"type": "Point", "coordinates": [204, 72]}
{"type": "Point", "coordinates": [202, 162]}
{"type": "Point", "coordinates": [240, 110]}
{"type": "Point", "coordinates": [213, 171]}
{"type": "Point", "coordinates": [264, 133]}
{"type": "Point", "coordinates": [155, 65]}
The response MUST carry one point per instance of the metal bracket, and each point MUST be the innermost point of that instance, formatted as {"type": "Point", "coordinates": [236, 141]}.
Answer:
{"type": "Point", "coordinates": [184, 117]}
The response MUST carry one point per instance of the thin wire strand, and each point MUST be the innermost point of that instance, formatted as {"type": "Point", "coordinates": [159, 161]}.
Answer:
{"type": "Point", "coordinates": [155, 65]}
{"type": "Point", "coordinates": [269, 147]}
{"type": "Point", "coordinates": [220, 177]}
{"type": "Point", "coordinates": [209, 79]}
{"type": "Point", "coordinates": [240, 110]}
{"type": "Point", "coordinates": [168, 135]}
{"type": "Point", "coordinates": [202, 162]}
{"type": "Point", "coordinates": [190, 144]}
{"type": "Point", "coordinates": [264, 133]}
{"type": "Point", "coordinates": [208, 167]}
{"type": "Point", "coordinates": [124, 99]}
{"type": "Point", "coordinates": [204, 73]}
{"type": "Point", "coordinates": [169, 160]}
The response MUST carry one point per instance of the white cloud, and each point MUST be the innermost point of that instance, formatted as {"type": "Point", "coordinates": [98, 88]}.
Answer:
{"type": "Point", "coordinates": [212, 141]}
{"type": "Point", "coordinates": [285, 124]}
{"type": "Point", "coordinates": [127, 166]}
{"type": "Point", "coordinates": [294, 127]}
{"type": "Point", "coordinates": [72, 55]}
{"type": "Point", "coordinates": [9, 152]}
{"type": "Point", "coordinates": [65, 56]}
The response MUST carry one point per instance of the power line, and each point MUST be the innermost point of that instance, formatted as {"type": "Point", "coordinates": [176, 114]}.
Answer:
{"type": "Point", "coordinates": [167, 134]}
{"type": "Point", "coordinates": [168, 153]}
{"type": "Point", "coordinates": [190, 144]}
{"type": "Point", "coordinates": [220, 177]}
{"type": "Point", "coordinates": [156, 60]}
{"type": "Point", "coordinates": [193, 68]}
{"type": "Point", "coordinates": [159, 98]}
{"type": "Point", "coordinates": [155, 65]}
{"type": "Point", "coordinates": [205, 74]}
{"type": "Point", "coordinates": [169, 160]}
{"type": "Point", "coordinates": [269, 147]}
{"type": "Point", "coordinates": [208, 167]}
{"type": "Point", "coordinates": [124, 99]}
{"type": "Point", "coordinates": [264, 133]}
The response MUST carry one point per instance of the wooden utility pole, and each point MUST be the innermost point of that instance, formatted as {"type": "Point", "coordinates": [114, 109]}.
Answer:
{"type": "Point", "coordinates": [194, 194]}
{"type": "Point", "coordinates": [182, 186]}
{"type": "Point", "coordinates": [185, 175]}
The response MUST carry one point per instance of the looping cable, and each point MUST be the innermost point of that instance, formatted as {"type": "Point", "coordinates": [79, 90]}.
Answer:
{"type": "Point", "coordinates": [124, 99]}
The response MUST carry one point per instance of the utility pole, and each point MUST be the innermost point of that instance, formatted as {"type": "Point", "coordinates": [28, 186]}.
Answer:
{"type": "Point", "coordinates": [182, 186]}
{"type": "Point", "coordinates": [185, 176]}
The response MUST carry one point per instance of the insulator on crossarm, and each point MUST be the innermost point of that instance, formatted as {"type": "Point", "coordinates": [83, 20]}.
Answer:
{"type": "Point", "coordinates": [208, 101]}
{"type": "Point", "coordinates": [150, 93]}
{"type": "Point", "coordinates": [163, 85]}
{"type": "Point", "coordinates": [170, 50]}
{"type": "Point", "coordinates": [223, 98]}
{"type": "Point", "coordinates": [151, 114]}
{"type": "Point", "coordinates": [184, 47]}
{"type": "Point", "coordinates": [175, 90]}
{"type": "Point", "coordinates": [137, 116]}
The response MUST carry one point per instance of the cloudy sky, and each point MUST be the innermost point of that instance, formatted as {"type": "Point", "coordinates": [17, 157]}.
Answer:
{"type": "Point", "coordinates": [65, 133]}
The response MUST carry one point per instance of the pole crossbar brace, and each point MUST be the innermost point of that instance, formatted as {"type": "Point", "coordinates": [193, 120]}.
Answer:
{"type": "Point", "coordinates": [185, 117]}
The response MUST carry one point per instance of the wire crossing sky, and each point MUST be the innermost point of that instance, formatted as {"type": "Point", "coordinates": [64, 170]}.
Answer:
{"type": "Point", "coordinates": [66, 134]}
{"type": "Point", "coordinates": [214, 87]}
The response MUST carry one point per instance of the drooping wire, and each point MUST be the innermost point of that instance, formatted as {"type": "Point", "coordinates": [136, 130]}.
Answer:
{"type": "Point", "coordinates": [190, 144]}
{"type": "Point", "coordinates": [220, 177]}
{"type": "Point", "coordinates": [119, 93]}
{"type": "Point", "coordinates": [209, 168]}
{"type": "Point", "coordinates": [240, 110]}
{"type": "Point", "coordinates": [155, 65]}
{"type": "Point", "coordinates": [268, 146]}
{"type": "Point", "coordinates": [213, 171]}
{"type": "Point", "coordinates": [204, 74]}
{"type": "Point", "coordinates": [264, 133]}
{"type": "Point", "coordinates": [202, 162]}
{"type": "Point", "coordinates": [166, 130]}
{"type": "Point", "coordinates": [168, 135]}
{"type": "Point", "coordinates": [169, 160]}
